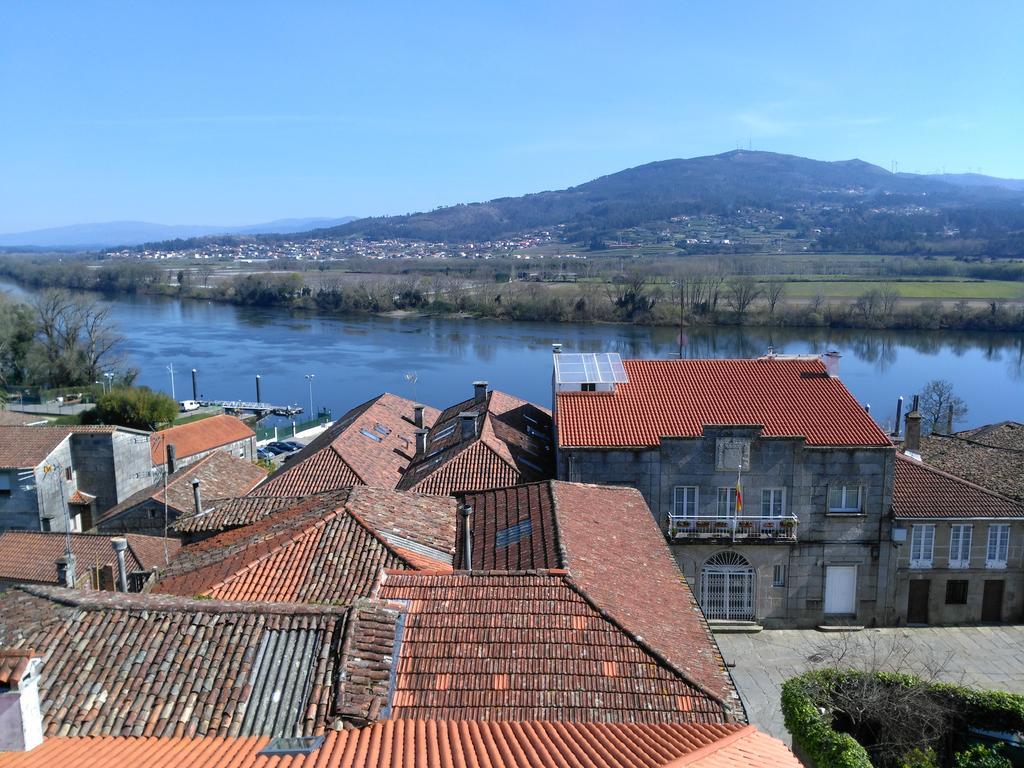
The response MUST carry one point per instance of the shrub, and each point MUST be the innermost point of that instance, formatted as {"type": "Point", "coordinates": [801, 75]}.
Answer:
{"type": "Point", "coordinates": [813, 731]}
{"type": "Point", "coordinates": [981, 756]}
{"type": "Point", "coordinates": [135, 407]}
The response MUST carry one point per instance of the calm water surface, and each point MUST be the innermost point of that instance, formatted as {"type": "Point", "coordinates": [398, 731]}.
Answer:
{"type": "Point", "coordinates": [436, 360]}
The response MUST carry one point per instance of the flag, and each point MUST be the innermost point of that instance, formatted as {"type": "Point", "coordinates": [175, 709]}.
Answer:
{"type": "Point", "coordinates": [739, 493]}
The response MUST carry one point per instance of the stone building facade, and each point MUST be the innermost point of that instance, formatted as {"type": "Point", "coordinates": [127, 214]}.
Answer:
{"type": "Point", "coordinates": [771, 483]}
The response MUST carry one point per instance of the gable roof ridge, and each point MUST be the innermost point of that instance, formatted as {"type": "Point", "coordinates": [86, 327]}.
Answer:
{"type": "Point", "coordinates": [304, 532]}
{"type": "Point", "coordinates": [186, 471]}
{"type": "Point", "coordinates": [980, 431]}
{"type": "Point", "coordinates": [490, 438]}
{"type": "Point", "coordinates": [383, 541]}
{"type": "Point", "coordinates": [956, 478]}
{"type": "Point", "coordinates": [560, 547]}
{"type": "Point", "coordinates": [647, 648]}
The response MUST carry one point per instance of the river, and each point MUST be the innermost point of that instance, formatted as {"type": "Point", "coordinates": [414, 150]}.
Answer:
{"type": "Point", "coordinates": [436, 360]}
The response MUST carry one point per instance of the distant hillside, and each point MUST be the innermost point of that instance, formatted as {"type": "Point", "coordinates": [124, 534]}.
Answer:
{"type": "Point", "coordinates": [660, 190]}
{"type": "Point", "coordinates": [114, 233]}
{"type": "Point", "coordinates": [979, 180]}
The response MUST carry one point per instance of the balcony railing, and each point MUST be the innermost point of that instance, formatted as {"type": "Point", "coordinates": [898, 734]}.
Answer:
{"type": "Point", "coordinates": [733, 527]}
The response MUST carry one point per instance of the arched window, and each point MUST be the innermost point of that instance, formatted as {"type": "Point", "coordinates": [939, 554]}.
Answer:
{"type": "Point", "coordinates": [727, 587]}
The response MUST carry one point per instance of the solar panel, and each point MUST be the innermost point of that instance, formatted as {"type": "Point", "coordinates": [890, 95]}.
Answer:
{"type": "Point", "coordinates": [589, 368]}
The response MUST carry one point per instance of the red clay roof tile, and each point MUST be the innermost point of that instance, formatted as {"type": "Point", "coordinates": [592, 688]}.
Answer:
{"type": "Point", "coordinates": [678, 398]}
{"type": "Point", "coordinates": [922, 491]}
{"type": "Point", "coordinates": [198, 436]}
{"type": "Point", "coordinates": [30, 556]}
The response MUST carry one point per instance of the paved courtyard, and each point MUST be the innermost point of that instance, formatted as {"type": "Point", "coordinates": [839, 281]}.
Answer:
{"type": "Point", "coordinates": [986, 657]}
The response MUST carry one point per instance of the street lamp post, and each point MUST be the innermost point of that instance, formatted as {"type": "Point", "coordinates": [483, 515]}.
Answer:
{"type": "Point", "coordinates": [170, 368]}
{"type": "Point", "coordinates": [309, 378]}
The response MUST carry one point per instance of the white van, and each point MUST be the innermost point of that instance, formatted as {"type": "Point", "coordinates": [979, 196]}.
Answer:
{"type": "Point", "coordinates": [189, 405]}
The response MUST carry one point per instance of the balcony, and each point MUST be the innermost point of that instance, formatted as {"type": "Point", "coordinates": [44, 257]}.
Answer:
{"type": "Point", "coordinates": [732, 528]}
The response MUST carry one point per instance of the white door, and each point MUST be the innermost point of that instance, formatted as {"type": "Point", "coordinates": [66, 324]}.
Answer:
{"type": "Point", "coordinates": [841, 589]}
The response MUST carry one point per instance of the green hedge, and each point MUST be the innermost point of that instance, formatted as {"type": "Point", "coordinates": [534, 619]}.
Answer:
{"type": "Point", "coordinates": [828, 748]}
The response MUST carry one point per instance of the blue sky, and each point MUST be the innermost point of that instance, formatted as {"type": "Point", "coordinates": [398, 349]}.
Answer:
{"type": "Point", "coordinates": [238, 112]}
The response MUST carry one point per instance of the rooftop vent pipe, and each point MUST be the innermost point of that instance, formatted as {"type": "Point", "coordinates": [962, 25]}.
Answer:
{"type": "Point", "coordinates": [417, 415]}
{"type": "Point", "coordinates": [66, 570]}
{"type": "Point", "coordinates": [120, 544]}
{"type": "Point", "coordinates": [171, 459]}
{"type": "Point", "coordinates": [197, 497]}
{"type": "Point", "coordinates": [421, 441]}
{"type": "Point", "coordinates": [912, 441]}
{"type": "Point", "coordinates": [479, 391]}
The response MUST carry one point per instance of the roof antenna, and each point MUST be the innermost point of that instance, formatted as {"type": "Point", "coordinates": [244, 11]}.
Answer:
{"type": "Point", "coordinates": [467, 537]}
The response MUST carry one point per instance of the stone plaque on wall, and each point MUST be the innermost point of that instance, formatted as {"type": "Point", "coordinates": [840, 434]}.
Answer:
{"type": "Point", "coordinates": [732, 453]}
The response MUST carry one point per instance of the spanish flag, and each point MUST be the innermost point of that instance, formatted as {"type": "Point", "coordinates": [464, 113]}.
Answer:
{"type": "Point", "coordinates": [739, 495]}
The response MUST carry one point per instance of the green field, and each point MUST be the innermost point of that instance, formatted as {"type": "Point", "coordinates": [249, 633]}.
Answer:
{"type": "Point", "coordinates": [909, 289]}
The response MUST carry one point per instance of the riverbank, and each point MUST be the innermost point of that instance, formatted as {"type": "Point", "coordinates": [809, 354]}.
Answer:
{"type": "Point", "coordinates": [719, 303]}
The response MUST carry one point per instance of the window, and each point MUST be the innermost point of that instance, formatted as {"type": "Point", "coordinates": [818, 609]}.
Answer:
{"type": "Point", "coordinates": [844, 498]}
{"type": "Point", "coordinates": [47, 525]}
{"type": "Point", "coordinates": [684, 501]}
{"type": "Point", "coordinates": [773, 502]}
{"type": "Point", "coordinates": [956, 592]}
{"type": "Point", "coordinates": [369, 434]}
{"type": "Point", "coordinates": [5, 483]}
{"type": "Point", "coordinates": [67, 473]}
{"type": "Point", "coordinates": [441, 435]}
{"type": "Point", "coordinates": [998, 546]}
{"type": "Point", "coordinates": [726, 502]}
{"type": "Point", "coordinates": [922, 546]}
{"type": "Point", "coordinates": [779, 576]}
{"type": "Point", "coordinates": [959, 546]}
{"type": "Point", "coordinates": [588, 387]}
{"type": "Point", "coordinates": [292, 745]}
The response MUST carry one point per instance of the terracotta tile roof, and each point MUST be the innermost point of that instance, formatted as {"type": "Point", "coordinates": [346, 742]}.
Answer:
{"type": "Point", "coordinates": [151, 665]}
{"type": "Point", "coordinates": [921, 491]}
{"type": "Point", "coordinates": [788, 397]}
{"type": "Point", "coordinates": [326, 548]}
{"type": "Point", "coordinates": [80, 497]}
{"type": "Point", "coordinates": [527, 646]}
{"type": "Point", "coordinates": [220, 475]}
{"type": "Point", "coordinates": [991, 456]}
{"type": "Point", "coordinates": [223, 514]}
{"type": "Point", "coordinates": [608, 540]}
{"type": "Point", "coordinates": [24, 447]}
{"type": "Point", "coordinates": [16, 419]}
{"type": "Point", "coordinates": [370, 445]}
{"type": "Point", "coordinates": [13, 666]}
{"type": "Point", "coordinates": [429, 744]}
{"type": "Point", "coordinates": [198, 436]}
{"type": "Point", "coordinates": [30, 556]}
{"type": "Point", "coordinates": [510, 445]}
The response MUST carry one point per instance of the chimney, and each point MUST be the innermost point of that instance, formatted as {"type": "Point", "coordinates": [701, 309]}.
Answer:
{"type": "Point", "coordinates": [120, 544]}
{"type": "Point", "coordinates": [421, 441]}
{"type": "Point", "coordinates": [479, 391]}
{"type": "Point", "coordinates": [417, 415]}
{"type": "Point", "coordinates": [831, 360]}
{"type": "Point", "coordinates": [66, 570]}
{"type": "Point", "coordinates": [556, 349]}
{"type": "Point", "coordinates": [172, 458]}
{"type": "Point", "coordinates": [467, 537]}
{"type": "Point", "coordinates": [21, 721]}
{"type": "Point", "coordinates": [912, 440]}
{"type": "Point", "coordinates": [949, 421]}
{"type": "Point", "coordinates": [468, 419]}
{"type": "Point", "coordinates": [196, 496]}
{"type": "Point", "coordinates": [899, 416]}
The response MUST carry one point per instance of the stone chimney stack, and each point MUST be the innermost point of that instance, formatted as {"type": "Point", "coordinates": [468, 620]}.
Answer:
{"type": "Point", "coordinates": [479, 391]}
{"type": "Point", "coordinates": [172, 459]}
{"type": "Point", "coordinates": [466, 512]}
{"type": "Point", "coordinates": [66, 570]}
{"type": "Point", "coordinates": [120, 544]}
{"type": "Point", "coordinates": [417, 415]}
{"type": "Point", "coordinates": [21, 720]}
{"type": "Point", "coordinates": [421, 441]}
{"type": "Point", "coordinates": [468, 419]}
{"type": "Point", "coordinates": [197, 497]}
{"type": "Point", "coordinates": [831, 360]}
{"type": "Point", "coordinates": [912, 439]}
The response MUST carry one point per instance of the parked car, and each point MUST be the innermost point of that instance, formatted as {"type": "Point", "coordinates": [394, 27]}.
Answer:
{"type": "Point", "coordinates": [263, 453]}
{"type": "Point", "coordinates": [293, 445]}
{"type": "Point", "coordinates": [280, 447]}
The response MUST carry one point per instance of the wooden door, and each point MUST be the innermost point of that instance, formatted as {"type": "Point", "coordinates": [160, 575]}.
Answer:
{"type": "Point", "coordinates": [917, 601]}
{"type": "Point", "coordinates": [992, 600]}
{"type": "Point", "coordinates": [841, 590]}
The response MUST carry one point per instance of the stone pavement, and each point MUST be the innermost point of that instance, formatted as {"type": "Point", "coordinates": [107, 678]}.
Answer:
{"type": "Point", "coordinates": [985, 657]}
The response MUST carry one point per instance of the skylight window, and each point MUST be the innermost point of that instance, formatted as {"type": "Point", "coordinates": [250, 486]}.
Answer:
{"type": "Point", "coordinates": [371, 435]}
{"type": "Point", "coordinates": [443, 433]}
{"type": "Point", "coordinates": [380, 429]}
{"type": "Point", "coordinates": [514, 533]}
{"type": "Point", "coordinates": [292, 745]}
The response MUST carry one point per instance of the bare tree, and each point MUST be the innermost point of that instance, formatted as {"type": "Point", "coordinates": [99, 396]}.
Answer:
{"type": "Point", "coordinates": [741, 292]}
{"type": "Point", "coordinates": [774, 292]}
{"type": "Point", "coordinates": [937, 398]}
{"type": "Point", "coordinates": [75, 339]}
{"type": "Point", "coordinates": [205, 272]}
